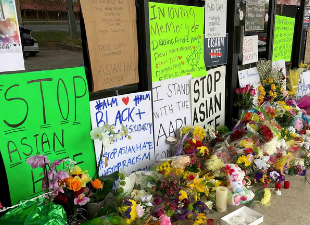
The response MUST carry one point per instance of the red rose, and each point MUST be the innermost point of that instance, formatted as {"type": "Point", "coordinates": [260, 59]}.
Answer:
{"type": "Point", "coordinates": [191, 177]}
{"type": "Point", "coordinates": [248, 150]}
{"type": "Point", "coordinates": [302, 132]}
{"type": "Point", "coordinates": [198, 144]}
{"type": "Point", "coordinates": [62, 197]}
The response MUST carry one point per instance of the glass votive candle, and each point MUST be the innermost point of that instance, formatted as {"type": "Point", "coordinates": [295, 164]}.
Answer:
{"type": "Point", "coordinates": [286, 184]}
{"type": "Point", "coordinates": [210, 222]}
{"type": "Point", "coordinates": [278, 186]}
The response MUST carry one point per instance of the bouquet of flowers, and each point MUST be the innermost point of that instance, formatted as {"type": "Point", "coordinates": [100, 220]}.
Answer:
{"type": "Point", "coordinates": [271, 88]}
{"type": "Point", "coordinates": [244, 97]}
{"type": "Point", "coordinates": [284, 114]}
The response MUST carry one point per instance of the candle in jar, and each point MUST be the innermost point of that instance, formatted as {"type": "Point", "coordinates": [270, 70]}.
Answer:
{"type": "Point", "coordinates": [286, 184]}
{"type": "Point", "coordinates": [221, 199]}
{"type": "Point", "coordinates": [210, 221]}
{"type": "Point", "coordinates": [278, 186]}
{"type": "Point", "coordinates": [308, 132]}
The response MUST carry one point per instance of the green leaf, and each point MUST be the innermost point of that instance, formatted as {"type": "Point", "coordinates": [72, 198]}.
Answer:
{"type": "Point", "coordinates": [114, 176]}
{"type": "Point", "coordinates": [209, 184]}
{"type": "Point", "coordinates": [107, 187]}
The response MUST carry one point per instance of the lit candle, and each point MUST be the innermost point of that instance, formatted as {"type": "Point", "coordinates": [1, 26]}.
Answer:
{"type": "Point", "coordinates": [308, 132]}
{"type": "Point", "coordinates": [278, 186]}
{"type": "Point", "coordinates": [221, 199]}
{"type": "Point", "coordinates": [286, 184]}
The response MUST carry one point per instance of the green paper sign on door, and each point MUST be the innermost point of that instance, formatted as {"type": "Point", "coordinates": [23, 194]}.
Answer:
{"type": "Point", "coordinates": [176, 41]}
{"type": "Point", "coordinates": [44, 113]}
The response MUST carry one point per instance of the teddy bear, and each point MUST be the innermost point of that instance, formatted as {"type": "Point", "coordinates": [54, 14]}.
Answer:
{"type": "Point", "coordinates": [237, 192]}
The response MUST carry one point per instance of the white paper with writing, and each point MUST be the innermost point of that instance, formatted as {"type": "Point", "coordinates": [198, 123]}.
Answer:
{"type": "Point", "coordinates": [250, 49]}
{"type": "Point", "coordinates": [208, 98]}
{"type": "Point", "coordinates": [251, 77]}
{"type": "Point", "coordinates": [135, 112]}
{"type": "Point", "coordinates": [215, 18]}
{"type": "Point", "coordinates": [171, 110]}
{"type": "Point", "coordinates": [303, 85]}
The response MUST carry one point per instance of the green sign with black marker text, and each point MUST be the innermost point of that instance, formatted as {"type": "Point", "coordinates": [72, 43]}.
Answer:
{"type": "Point", "coordinates": [176, 41]}
{"type": "Point", "coordinates": [46, 113]}
{"type": "Point", "coordinates": [283, 38]}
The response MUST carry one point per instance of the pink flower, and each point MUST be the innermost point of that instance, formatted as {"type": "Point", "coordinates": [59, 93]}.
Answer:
{"type": "Point", "coordinates": [62, 175]}
{"type": "Point", "coordinates": [164, 220]}
{"type": "Point", "coordinates": [81, 200]}
{"type": "Point", "coordinates": [252, 92]}
{"type": "Point", "coordinates": [36, 161]}
{"type": "Point", "coordinates": [1, 206]}
{"type": "Point", "coordinates": [285, 93]}
{"type": "Point", "coordinates": [56, 191]}
{"type": "Point", "coordinates": [140, 211]}
{"type": "Point", "coordinates": [243, 90]}
{"type": "Point", "coordinates": [237, 91]}
{"type": "Point", "coordinates": [55, 164]}
{"type": "Point", "coordinates": [248, 87]}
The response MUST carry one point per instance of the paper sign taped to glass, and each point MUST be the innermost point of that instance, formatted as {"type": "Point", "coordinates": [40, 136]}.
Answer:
{"type": "Point", "coordinates": [112, 42]}
{"type": "Point", "coordinates": [11, 54]}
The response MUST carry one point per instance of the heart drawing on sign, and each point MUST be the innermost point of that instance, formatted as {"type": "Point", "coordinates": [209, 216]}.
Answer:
{"type": "Point", "coordinates": [194, 47]}
{"type": "Point", "coordinates": [125, 100]}
{"type": "Point", "coordinates": [199, 36]}
{"type": "Point", "coordinates": [182, 62]}
{"type": "Point", "coordinates": [180, 57]}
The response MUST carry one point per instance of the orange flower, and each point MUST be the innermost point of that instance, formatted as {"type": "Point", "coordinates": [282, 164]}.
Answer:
{"type": "Point", "coordinates": [67, 180]}
{"type": "Point", "coordinates": [96, 184]}
{"type": "Point", "coordinates": [75, 185]}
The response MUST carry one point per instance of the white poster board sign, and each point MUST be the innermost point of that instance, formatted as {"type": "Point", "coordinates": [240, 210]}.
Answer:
{"type": "Point", "coordinates": [303, 85]}
{"type": "Point", "coordinates": [251, 77]}
{"type": "Point", "coordinates": [250, 49]}
{"type": "Point", "coordinates": [135, 112]}
{"type": "Point", "coordinates": [11, 53]}
{"type": "Point", "coordinates": [171, 110]}
{"type": "Point", "coordinates": [215, 18]}
{"type": "Point", "coordinates": [208, 98]}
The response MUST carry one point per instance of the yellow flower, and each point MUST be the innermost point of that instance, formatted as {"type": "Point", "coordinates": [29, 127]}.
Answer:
{"type": "Point", "coordinates": [217, 183]}
{"type": "Point", "coordinates": [263, 93]}
{"type": "Point", "coordinates": [267, 196]}
{"type": "Point", "coordinates": [133, 212]}
{"type": "Point", "coordinates": [243, 159]}
{"type": "Point", "coordinates": [291, 93]}
{"type": "Point", "coordinates": [242, 143]}
{"type": "Point", "coordinates": [201, 219]}
{"type": "Point", "coordinates": [293, 135]}
{"type": "Point", "coordinates": [260, 88]}
{"type": "Point", "coordinates": [185, 130]}
{"type": "Point", "coordinates": [77, 171]}
{"type": "Point", "coordinates": [264, 81]}
{"type": "Point", "coordinates": [83, 179]}
{"type": "Point", "coordinates": [207, 176]}
{"type": "Point", "coordinates": [285, 137]}
{"type": "Point", "coordinates": [263, 178]}
{"type": "Point", "coordinates": [197, 185]}
{"type": "Point", "coordinates": [198, 132]}
{"type": "Point", "coordinates": [270, 80]}
{"type": "Point", "coordinates": [260, 98]}
{"type": "Point", "coordinates": [270, 93]}
{"type": "Point", "coordinates": [273, 87]}
{"type": "Point", "coordinates": [182, 195]}
{"type": "Point", "coordinates": [287, 107]}
{"type": "Point", "coordinates": [203, 150]}
{"type": "Point", "coordinates": [281, 89]}
{"type": "Point", "coordinates": [274, 94]}
{"type": "Point", "coordinates": [165, 167]}
{"type": "Point", "coordinates": [281, 102]}
{"type": "Point", "coordinates": [178, 172]}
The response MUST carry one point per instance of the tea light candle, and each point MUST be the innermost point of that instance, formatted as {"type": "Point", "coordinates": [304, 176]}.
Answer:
{"type": "Point", "coordinates": [210, 222]}
{"type": "Point", "coordinates": [278, 186]}
{"type": "Point", "coordinates": [221, 199]}
{"type": "Point", "coordinates": [286, 184]}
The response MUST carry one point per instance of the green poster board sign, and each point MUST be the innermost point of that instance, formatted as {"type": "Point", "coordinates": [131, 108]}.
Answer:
{"type": "Point", "coordinates": [176, 41]}
{"type": "Point", "coordinates": [46, 113]}
{"type": "Point", "coordinates": [283, 38]}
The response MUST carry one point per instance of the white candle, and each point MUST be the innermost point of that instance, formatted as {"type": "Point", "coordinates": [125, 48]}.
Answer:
{"type": "Point", "coordinates": [308, 132]}
{"type": "Point", "coordinates": [221, 199]}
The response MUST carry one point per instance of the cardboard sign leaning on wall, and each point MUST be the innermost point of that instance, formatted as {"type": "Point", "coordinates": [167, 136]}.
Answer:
{"type": "Point", "coordinates": [112, 42]}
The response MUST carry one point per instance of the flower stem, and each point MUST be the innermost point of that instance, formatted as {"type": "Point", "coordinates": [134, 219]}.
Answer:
{"type": "Point", "coordinates": [98, 165]}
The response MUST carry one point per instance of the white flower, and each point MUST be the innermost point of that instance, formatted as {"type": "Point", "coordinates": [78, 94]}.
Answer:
{"type": "Point", "coordinates": [125, 130]}
{"type": "Point", "coordinates": [140, 211]}
{"type": "Point", "coordinates": [274, 175]}
{"type": "Point", "coordinates": [96, 133]}
{"type": "Point", "coordinates": [146, 200]}
{"type": "Point", "coordinates": [149, 185]}
{"type": "Point", "coordinates": [266, 158]}
{"type": "Point", "coordinates": [105, 140]}
{"type": "Point", "coordinates": [261, 164]}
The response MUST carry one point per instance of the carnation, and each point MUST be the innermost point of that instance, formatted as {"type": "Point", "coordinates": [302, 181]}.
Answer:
{"type": "Point", "coordinates": [214, 163]}
{"type": "Point", "coordinates": [181, 162]}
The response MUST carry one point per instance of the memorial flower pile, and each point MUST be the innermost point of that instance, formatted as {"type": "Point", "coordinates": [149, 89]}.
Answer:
{"type": "Point", "coordinates": [244, 97]}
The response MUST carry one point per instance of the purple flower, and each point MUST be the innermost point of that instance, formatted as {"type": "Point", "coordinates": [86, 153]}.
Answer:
{"type": "Point", "coordinates": [128, 203]}
{"type": "Point", "coordinates": [274, 175]}
{"type": "Point", "coordinates": [81, 200]}
{"type": "Point", "coordinates": [290, 102]}
{"type": "Point", "coordinates": [36, 161]}
{"type": "Point", "coordinates": [56, 191]}
{"type": "Point", "coordinates": [55, 164]}
{"type": "Point", "coordinates": [259, 175]}
{"type": "Point", "coordinates": [62, 175]}
{"type": "Point", "coordinates": [158, 200]}
{"type": "Point", "coordinates": [303, 172]}
{"type": "Point", "coordinates": [127, 213]}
